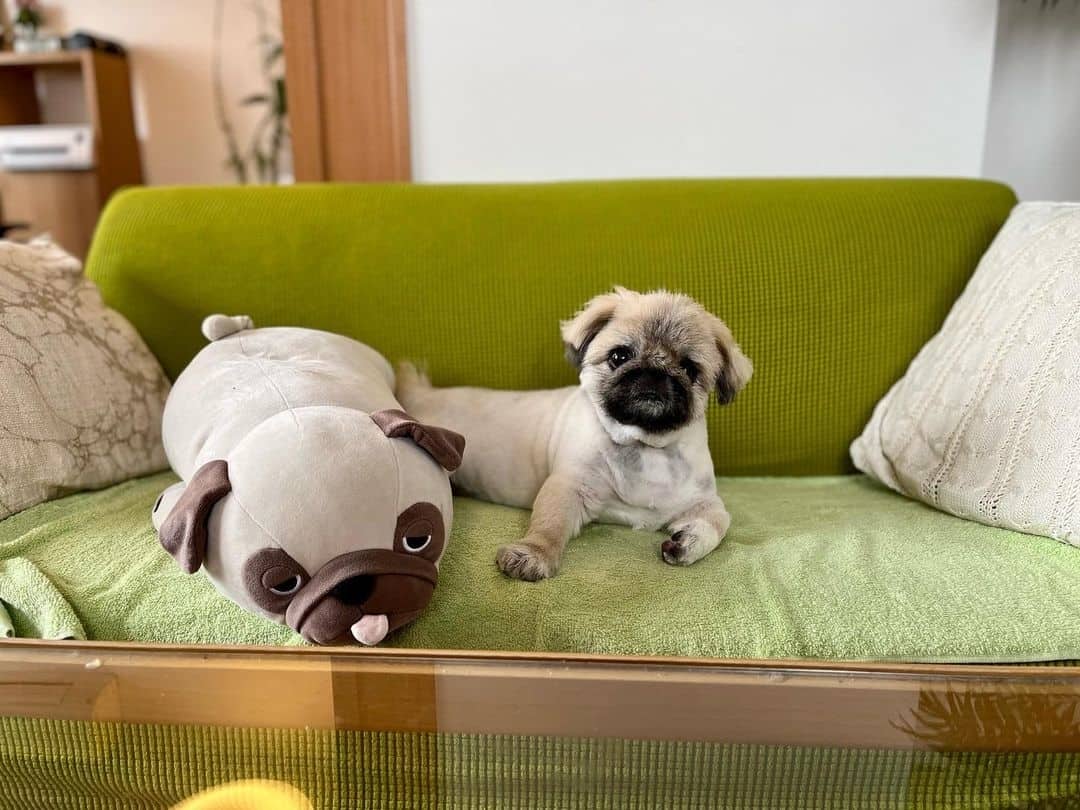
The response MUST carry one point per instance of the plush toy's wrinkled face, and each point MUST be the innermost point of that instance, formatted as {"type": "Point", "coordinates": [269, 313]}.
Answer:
{"type": "Point", "coordinates": [325, 606]}
{"type": "Point", "coordinates": [325, 519]}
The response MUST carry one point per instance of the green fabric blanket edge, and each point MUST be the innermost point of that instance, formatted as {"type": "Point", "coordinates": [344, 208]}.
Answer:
{"type": "Point", "coordinates": [831, 568]}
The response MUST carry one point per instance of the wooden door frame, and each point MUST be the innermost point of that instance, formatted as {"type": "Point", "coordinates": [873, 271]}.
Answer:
{"type": "Point", "coordinates": [346, 71]}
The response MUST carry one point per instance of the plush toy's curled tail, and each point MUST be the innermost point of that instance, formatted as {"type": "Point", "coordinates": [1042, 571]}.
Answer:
{"type": "Point", "coordinates": [216, 327]}
{"type": "Point", "coordinates": [410, 382]}
{"type": "Point", "coordinates": [409, 375]}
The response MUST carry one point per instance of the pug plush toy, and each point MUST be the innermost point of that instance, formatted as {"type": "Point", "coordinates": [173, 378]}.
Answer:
{"type": "Point", "coordinates": [308, 496]}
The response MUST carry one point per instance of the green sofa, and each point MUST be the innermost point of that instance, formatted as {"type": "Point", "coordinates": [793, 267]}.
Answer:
{"type": "Point", "coordinates": [831, 287]}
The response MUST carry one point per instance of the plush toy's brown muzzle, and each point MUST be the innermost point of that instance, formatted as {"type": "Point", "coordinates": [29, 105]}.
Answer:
{"type": "Point", "coordinates": [359, 583]}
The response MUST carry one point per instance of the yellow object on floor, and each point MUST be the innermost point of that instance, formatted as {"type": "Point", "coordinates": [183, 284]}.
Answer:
{"type": "Point", "coordinates": [250, 794]}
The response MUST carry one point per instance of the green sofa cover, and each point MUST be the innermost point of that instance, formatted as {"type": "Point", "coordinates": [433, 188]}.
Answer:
{"type": "Point", "coordinates": [830, 285]}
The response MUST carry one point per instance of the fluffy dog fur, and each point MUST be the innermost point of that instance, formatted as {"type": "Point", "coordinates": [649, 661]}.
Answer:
{"type": "Point", "coordinates": [628, 445]}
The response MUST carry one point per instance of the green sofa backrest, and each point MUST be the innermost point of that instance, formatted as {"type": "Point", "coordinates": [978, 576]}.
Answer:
{"type": "Point", "coordinates": [831, 286]}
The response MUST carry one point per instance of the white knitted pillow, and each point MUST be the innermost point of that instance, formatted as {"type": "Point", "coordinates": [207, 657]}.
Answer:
{"type": "Point", "coordinates": [985, 423]}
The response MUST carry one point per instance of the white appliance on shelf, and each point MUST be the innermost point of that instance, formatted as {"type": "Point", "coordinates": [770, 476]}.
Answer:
{"type": "Point", "coordinates": [46, 147]}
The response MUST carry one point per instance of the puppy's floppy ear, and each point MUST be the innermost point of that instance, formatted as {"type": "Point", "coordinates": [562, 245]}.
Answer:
{"type": "Point", "coordinates": [735, 367]}
{"type": "Point", "coordinates": [183, 533]}
{"type": "Point", "coordinates": [579, 331]}
{"type": "Point", "coordinates": [445, 446]}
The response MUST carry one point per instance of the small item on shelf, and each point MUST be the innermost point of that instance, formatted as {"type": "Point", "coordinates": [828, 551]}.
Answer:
{"type": "Point", "coordinates": [47, 147]}
{"type": "Point", "coordinates": [29, 36]}
{"type": "Point", "coordinates": [28, 18]}
{"type": "Point", "coordinates": [85, 41]}
{"type": "Point", "coordinates": [42, 43]}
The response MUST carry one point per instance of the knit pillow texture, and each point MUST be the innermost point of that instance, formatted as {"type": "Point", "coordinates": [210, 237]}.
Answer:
{"type": "Point", "coordinates": [985, 423]}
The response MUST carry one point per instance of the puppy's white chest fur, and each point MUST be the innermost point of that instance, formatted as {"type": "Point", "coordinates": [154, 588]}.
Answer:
{"type": "Point", "coordinates": [651, 485]}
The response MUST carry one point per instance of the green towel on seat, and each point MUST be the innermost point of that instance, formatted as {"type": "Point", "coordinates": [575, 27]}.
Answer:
{"type": "Point", "coordinates": [831, 567]}
{"type": "Point", "coordinates": [99, 553]}
{"type": "Point", "coordinates": [36, 609]}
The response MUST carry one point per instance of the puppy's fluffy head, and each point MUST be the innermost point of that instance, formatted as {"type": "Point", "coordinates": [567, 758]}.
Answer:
{"type": "Point", "coordinates": [650, 360]}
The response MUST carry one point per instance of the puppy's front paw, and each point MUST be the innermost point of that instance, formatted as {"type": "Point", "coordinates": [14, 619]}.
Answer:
{"type": "Point", "coordinates": [524, 561]}
{"type": "Point", "coordinates": [689, 545]}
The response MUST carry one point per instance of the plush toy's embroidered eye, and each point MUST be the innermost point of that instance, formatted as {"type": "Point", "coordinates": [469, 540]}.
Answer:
{"type": "Point", "coordinates": [416, 543]}
{"type": "Point", "coordinates": [288, 586]}
{"type": "Point", "coordinates": [420, 531]}
{"type": "Point", "coordinates": [619, 355]}
{"type": "Point", "coordinates": [272, 578]}
{"type": "Point", "coordinates": [157, 503]}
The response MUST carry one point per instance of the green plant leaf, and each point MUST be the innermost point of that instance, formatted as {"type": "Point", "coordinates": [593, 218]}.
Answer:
{"type": "Point", "coordinates": [280, 105]}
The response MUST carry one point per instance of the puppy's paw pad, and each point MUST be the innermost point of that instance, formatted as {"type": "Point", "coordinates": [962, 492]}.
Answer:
{"type": "Point", "coordinates": [520, 561]}
{"type": "Point", "coordinates": [679, 548]}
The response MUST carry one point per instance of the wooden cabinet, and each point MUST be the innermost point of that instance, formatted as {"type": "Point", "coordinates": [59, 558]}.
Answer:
{"type": "Point", "coordinates": [69, 87]}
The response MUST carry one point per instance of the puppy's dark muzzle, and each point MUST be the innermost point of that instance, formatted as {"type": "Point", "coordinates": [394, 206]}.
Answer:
{"type": "Point", "coordinates": [651, 385]}
{"type": "Point", "coordinates": [649, 398]}
{"type": "Point", "coordinates": [350, 586]}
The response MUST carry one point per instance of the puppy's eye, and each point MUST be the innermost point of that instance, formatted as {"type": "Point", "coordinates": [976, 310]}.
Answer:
{"type": "Point", "coordinates": [619, 355]}
{"type": "Point", "coordinates": [416, 543]}
{"type": "Point", "coordinates": [287, 587]}
{"type": "Point", "coordinates": [691, 369]}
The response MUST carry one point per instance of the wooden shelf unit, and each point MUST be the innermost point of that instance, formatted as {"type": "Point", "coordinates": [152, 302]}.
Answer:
{"type": "Point", "coordinates": [67, 203]}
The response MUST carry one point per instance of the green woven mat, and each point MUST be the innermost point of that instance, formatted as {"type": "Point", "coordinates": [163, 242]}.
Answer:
{"type": "Point", "coordinates": [63, 764]}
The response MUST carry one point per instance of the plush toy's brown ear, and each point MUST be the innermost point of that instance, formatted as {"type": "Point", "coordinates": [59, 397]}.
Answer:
{"type": "Point", "coordinates": [445, 446]}
{"type": "Point", "coordinates": [183, 534]}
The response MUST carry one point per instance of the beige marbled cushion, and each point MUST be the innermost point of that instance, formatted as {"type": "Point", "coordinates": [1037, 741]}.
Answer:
{"type": "Point", "coordinates": [985, 423]}
{"type": "Point", "coordinates": [80, 394]}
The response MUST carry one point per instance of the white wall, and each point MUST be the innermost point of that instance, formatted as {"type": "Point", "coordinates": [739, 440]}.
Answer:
{"type": "Point", "coordinates": [519, 90]}
{"type": "Point", "coordinates": [1033, 134]}
{"type": "Point", "coordinates": [169, 47]}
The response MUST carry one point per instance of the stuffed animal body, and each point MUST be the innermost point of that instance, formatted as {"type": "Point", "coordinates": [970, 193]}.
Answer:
{"type": "Point", "coordinates": [308, 496]}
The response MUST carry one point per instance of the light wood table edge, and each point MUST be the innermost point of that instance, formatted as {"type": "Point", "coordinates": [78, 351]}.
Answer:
{"type": "Point", "coordinates": [834, 666]}
{"type": "Point", "coordinates": [801, 703]}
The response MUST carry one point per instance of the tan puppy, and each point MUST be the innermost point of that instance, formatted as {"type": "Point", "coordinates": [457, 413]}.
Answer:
{"type": "Point", "coordinates": [628, 445]}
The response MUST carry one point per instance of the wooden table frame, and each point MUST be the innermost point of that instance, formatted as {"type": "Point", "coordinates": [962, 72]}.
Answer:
{"type": "Point", "coordinates": [801, 703]}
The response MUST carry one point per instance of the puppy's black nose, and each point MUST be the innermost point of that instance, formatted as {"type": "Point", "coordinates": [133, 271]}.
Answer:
{"type": "Point", "coordinates": [652, 381]}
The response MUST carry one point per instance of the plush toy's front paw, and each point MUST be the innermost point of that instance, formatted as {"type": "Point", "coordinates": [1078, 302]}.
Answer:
{"type": "Point", "coordinates": [689, 545]}
{"type": "Point", "coordinates": [525, 561]}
